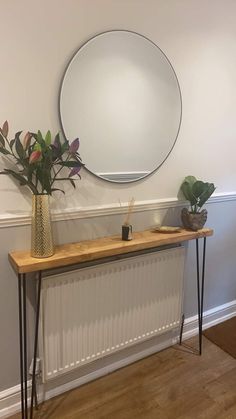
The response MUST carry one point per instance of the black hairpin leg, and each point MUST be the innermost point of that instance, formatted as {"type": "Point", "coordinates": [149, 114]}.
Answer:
{"type": "Point", "coordinates": [35, 397]}
{"type": "Point", "coordinates": [200, 290]}
{"type": "Point", "coordinates": [23, 346]}
{"type": "Point", "coordinates": [33, 390]}
{"type": "Point", "coordinates": [181, 329]}
{"type": "Point", "coordinates": [23, 343]}
{"type": "Point", "coordinates": [200, 294]}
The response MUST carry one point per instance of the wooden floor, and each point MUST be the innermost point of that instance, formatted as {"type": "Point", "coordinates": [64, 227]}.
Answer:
{"type": "Point", "coordinates": [172, 384]}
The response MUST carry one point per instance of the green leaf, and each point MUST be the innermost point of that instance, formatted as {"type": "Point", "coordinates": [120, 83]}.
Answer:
{"type": "Point", "coordinates": [16, 176]}
{"type": "Point", "coordinates": [72, 183]}
{"type": "Point", "coordinates": [20, 179]}
{"type": "Point", "coordinates": [34, 135]}
{"type": "Point", "coordinates": [187, 191]}
{"type": "Point", "coordinates": [48, 138]}
{"type": "Point", "coordinates": [4, 151]}
{"type": "Point", "coordinates": [39, 139]}
{"type": "Point", "coordinates": [30, 172]}
{"type": "Point", "coordinates": [12, 142]}
{"type": "Point", "coordinates": [47, 164]}
{"type": "Point", "coordinates": [198, 188]}
{"type": "Point", "coordinates": [190, 180]}
{"type": "Point", "coordinates": [209, 189]}
{"type": "Point", "coordinates": [44, 178]}
{"type": "Point", "coordinates": [70, 164]}
{"type": "Point", "coordinates": [18, 146]}
{"type": "Point", "coordinates": [47, 183]}
{"type": "Point", "coordinates": [65, 147]}
{"type": "Point", "coordinates": [2, 140]}
{"type": "Point", "coordinates": [196, 191]}
{"type": "Point", "coordinates": [57, 141]}
{"type": "Point", "coordinates": [37, 147]}
{"type": "Point", "coordinates": [39, 175]}
{"type": "Point", "coordinates": [78, 159]}
{"type": "Point", "coordinates": [56, 148]}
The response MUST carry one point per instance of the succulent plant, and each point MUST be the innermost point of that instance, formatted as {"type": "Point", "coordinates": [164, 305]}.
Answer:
{"type": "Point", "coordinates": [196, 192]}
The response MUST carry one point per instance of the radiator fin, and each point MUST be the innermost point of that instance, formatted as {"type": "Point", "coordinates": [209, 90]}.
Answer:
{"type": "Point", "coordinates": [92, 312]}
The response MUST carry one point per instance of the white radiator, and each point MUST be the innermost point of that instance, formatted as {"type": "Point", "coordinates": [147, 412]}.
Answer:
{"type": "Point", "coordinates": [95, 311]}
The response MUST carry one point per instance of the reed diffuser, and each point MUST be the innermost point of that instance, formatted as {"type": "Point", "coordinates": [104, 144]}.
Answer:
{"type": "Point", "coordinates": [127, 227]}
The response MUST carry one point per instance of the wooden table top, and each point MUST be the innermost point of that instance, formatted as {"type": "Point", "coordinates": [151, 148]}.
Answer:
{"type": "Point", "coordinates": [91, 250]}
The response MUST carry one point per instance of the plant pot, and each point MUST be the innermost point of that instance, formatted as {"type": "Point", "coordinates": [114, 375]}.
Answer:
{"type": "Point", "coordinates": [41, 230]}
{"type": "Point", "coordinates": [193, 221]}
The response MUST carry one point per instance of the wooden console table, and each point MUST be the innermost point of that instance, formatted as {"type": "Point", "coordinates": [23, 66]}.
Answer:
{"type": "Point", "coordinates": [88, 253]}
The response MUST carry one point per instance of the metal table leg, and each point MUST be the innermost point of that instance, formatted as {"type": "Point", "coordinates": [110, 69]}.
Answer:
{"type": "Point", "coordinates": [200, 294]}
{"type": "Point", "coordinates": [201, 291]}
{"type": "Point", "coordinates": [181, 329]}
{"type": "Point", "coordinates": [22, 291]}
{"type": "Point", "coordinates": [23, 343]}
{"type": "Point", "coordinates": [21, 346]}
{"type": "Point", "coordinates": [33, 390]}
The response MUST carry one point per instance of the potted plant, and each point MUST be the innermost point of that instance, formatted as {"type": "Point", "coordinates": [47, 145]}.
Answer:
{"type": "Point", "coordinates": [197, 193]}
{"type": "Point", "coordinates": [37, 161]}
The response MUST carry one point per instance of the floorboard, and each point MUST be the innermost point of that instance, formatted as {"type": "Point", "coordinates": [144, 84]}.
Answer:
{"type": "Point", "coordinates": [172, 384]}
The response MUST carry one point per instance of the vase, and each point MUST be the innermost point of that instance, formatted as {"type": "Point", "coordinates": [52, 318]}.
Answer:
{"type": "Point", "coordinates": [41, 229]}
{"type": "Point", "coordinates": [193, 221]}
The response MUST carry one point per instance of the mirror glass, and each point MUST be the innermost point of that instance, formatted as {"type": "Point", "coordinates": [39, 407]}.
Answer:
{"type": "Point", "coordinates": [121, 97]}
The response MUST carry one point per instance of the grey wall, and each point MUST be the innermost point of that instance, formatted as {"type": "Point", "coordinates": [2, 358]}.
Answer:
{"type": "Point", "coordinates": [220, 268]}
{"type": "Point", "coordinates": [37, 39]}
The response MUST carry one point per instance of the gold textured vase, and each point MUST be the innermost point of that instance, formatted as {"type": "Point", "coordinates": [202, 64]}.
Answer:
{"type": "Point", "coordinates": [41, 229]}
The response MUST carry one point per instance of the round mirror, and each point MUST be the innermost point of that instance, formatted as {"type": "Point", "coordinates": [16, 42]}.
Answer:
{"type": "Point", "coordinates": [121, 97]}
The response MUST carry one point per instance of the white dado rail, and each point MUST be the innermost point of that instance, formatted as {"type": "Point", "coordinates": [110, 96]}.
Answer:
{"type": "Point", "coordinates": [14, 220]}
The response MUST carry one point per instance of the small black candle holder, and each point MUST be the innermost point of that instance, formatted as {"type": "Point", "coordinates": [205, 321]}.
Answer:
{"type": "Point", "coordinates": [127, 232]}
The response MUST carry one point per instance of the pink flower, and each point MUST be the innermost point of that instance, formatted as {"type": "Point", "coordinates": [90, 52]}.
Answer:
{"type": "Point", "coordinates": [74, 171]}
{"type": "Point", "coordinates": [35, 156]}
{"type": "Point", "coordinates": [5, 129]}
{"type": "Point", "coordinates": [26, 140]}
{"type": "Point", "coordinates": [74, 146]}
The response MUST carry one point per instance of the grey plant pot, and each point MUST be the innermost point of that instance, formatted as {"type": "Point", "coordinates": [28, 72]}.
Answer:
{"type": "Point", "coordinates": [193, 221]}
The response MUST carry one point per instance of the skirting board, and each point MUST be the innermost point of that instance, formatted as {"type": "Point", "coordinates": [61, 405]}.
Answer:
{"type": "Point", "coordinates": [10, 398]}
{"type": "Point", "coordinates": [211, 318]}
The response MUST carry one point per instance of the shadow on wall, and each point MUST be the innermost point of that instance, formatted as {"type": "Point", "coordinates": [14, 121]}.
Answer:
{"type": "Point", "coordinates": [172, 217]}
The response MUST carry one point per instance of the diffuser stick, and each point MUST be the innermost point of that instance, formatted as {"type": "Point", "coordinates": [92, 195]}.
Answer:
{"type": "Point", "coordinates": [130, 209]}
